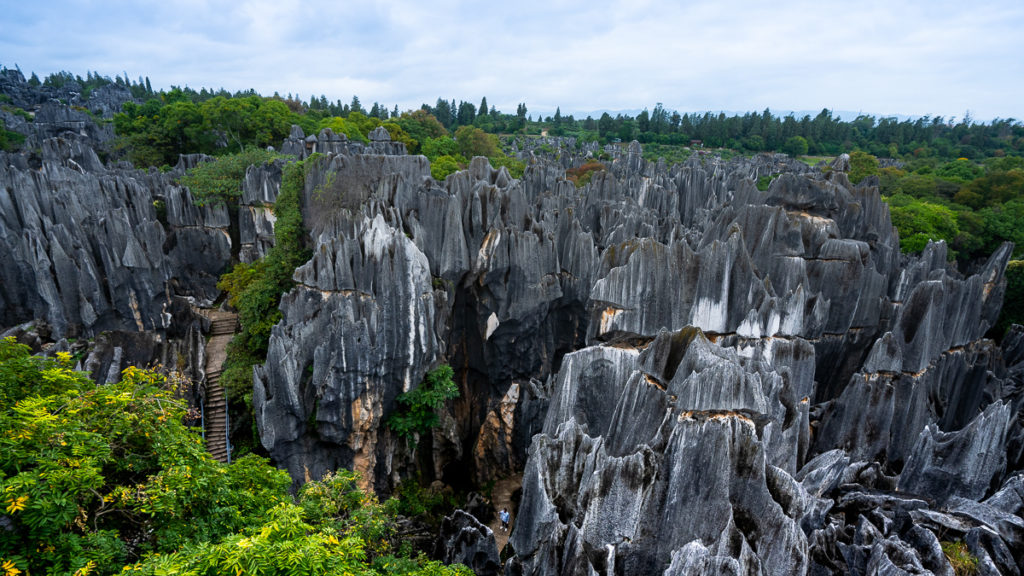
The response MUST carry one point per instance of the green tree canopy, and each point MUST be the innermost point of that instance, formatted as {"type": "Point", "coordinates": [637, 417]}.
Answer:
{"type": "Point", "coordinates": [862, 165]}
{"type": "Point", "coordinates": [442, 166]}
{"type": "Point", "coordinates": [419, 406]}
{"type": "Point", "coordinates": [472, 141]}
{"type": "Point", "coordinates": [219, 179]}
{"type": "Point", "coordinates": [795, 146]}
{"type": "Point", "coordinates": [100, 474]}
{"type": "Point", "coordinates": [104, 480]}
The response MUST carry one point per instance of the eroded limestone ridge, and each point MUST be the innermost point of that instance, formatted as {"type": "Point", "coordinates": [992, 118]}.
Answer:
{"type": "Point", "coordinates": [690, 348]}
{"type": "Point", "coordinates": [695, 376]}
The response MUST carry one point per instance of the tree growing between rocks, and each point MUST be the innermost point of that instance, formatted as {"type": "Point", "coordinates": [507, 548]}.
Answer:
{"type": "Point", "coordinates": [419, 406]}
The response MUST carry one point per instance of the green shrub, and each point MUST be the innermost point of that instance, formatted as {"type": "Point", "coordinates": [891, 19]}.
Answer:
{"type": "Point", "coordinates": [795, 146]}
{"type": "Point", "coordinates": [220, 179]}
{"type": "Point", "coordinates": [413, 500]}
{"type": "Point", "coordinates": [96, 477]}
{"type": "Point", "coordinates": [919, 221]}
{"type": "Point", "coordinates": [434, 148]}
{"type": "Point", "coordinates": [1013, 301]}
{"type": "Point", "coordinates": [763, 182]}
{"type": "Point", "coordinates": [581, 175]}
{"type": "Point", "coordinates": [442, 167]}
{"type": "Point", "coordinates": [862, 165]}
{"type": "Point", "coordinates": [255, 289]}
{"type": "Point", "coordinates": [515, 167]}
{"type": "Point", "coordinates": [963, 562]}
{"type": "Point", "coordinates": [10, 141]}
{"type": "Point", "coordinates": [91, 476]}
{"type": "Point", "coordinates": [418, 407]}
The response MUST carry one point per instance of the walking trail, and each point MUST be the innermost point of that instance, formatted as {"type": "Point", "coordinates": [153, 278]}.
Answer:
{"type": "Point", "coordinates": [222, 328]}
{"type": "Point", "coordinates": [501, 497]}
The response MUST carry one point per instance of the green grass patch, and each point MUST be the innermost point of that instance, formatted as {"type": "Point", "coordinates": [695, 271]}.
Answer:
{"type": "Point", "coordinates": [765, 181]}
{"type": "Point", "coordinates": [963, 562]}
{"type": "Point", "coordinates": [815, 160]}
{"type": "Point", "coordinates": [673, 154]}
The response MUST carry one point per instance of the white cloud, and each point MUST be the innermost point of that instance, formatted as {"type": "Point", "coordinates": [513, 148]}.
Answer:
{"type": "Point", "coordinates": [938, 57]}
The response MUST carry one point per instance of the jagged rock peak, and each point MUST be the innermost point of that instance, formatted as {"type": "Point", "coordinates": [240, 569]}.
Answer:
{"type": "Point", "coordinates": [379, 134]}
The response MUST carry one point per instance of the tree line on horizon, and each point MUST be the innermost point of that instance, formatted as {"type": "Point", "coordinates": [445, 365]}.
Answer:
{"type": "Point", "coordinates": [823, 134]}
{"type": "Point", "coordinates": [961, 181]}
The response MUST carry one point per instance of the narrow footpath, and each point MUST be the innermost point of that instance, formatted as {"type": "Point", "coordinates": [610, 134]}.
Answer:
{"type": "Point", "coordinates": [501, 497]}
{"type": "Point", "coordinates": [223, 326]}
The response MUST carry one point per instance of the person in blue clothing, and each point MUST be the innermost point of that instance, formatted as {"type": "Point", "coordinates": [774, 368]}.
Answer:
{"type": "Point", "coordinates": [504, 519]}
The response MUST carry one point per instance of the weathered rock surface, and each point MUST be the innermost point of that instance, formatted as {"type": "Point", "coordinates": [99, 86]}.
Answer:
{"type": "Point", "coordinates": [464, 540]}
{"type": "Point", "coordinates": [696, 376]}
{"type": "Point", "coordinates": [83, 247]}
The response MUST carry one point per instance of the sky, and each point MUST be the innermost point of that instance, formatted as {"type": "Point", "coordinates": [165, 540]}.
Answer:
{"type": "Point", "coordinates": [915, 57]}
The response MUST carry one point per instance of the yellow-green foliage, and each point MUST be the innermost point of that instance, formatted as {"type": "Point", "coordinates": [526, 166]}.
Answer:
{"type": "Point", "coordinates": [862, 165]}
{"type": "Point", "coordinates": [339, 125]}
{"type": "Point", "coordinates": [515, 167]}
{"type": "Point", "coordinates": [96, 477]}
{"type": "Point", "coordinates": [962, 561]}
{"type": "Point", "coordinates": [336, 528]}
{"type": "Point", "coordinates": [442, 167]}
{"type": "Point", "coordinates": [220, 179]}
{"type": "Point", "coordinates": [102, 473]}
{"type": "Point", "coordinates": [919, 221]}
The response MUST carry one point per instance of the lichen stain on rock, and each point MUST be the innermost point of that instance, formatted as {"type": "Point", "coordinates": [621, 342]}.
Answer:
{"type": "Point", "coordinates": [607, 318]}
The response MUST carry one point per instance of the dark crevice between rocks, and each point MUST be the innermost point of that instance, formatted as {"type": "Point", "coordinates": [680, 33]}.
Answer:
{"type": "Point", "coordinates": [234, 229]}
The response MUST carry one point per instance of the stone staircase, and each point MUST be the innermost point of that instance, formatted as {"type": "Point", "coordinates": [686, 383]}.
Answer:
{"type": "Point", "coordinates": [223, 326]}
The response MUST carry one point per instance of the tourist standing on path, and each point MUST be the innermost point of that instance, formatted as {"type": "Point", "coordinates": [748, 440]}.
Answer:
{"type": "Point", "coordinates": [504, 519]}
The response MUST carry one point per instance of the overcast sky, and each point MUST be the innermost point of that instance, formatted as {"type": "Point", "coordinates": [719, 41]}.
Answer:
{"type": "Point", "coordinates": [932, 57]}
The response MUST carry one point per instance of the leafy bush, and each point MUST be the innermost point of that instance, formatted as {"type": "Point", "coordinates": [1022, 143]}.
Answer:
{"type": "Point", "coordinates": [472, 141]}
{"type": "Point", "coordinates": [434, 148]}
{"type": "Point", "coordinates": [862, 165]}
{"type": "Point", "coordinates": [99, 474]}
{"type": "Point", "coordinates": [652, 152]}
{"type": "Point", "coordinates": [256, 289]}
{"type": "Point", "coordinates": [339, 125]}
{"type": "Point", "coordinates": [220, 179]}
{"type": "Point", "coordinates": [919, 221]}
{"type": "Point", "coordinates": [419, 406]}
{"type": "Point", "coordinates": [795, 146]}
{"type": "Point", "coordinates": [411, 499]}
{"type": "Point", "coordinates": [421, 126]}
{"type": "Point", "coordinates": [581, 175]}
{"type": "Point", "coordinates": [763, 182]}
{"type": "Point", "coordinates": [961, 170]}
{"type": "Point", "coordinates": [94, 477]}
{"type": "Point", "coordinates": [442, 167]}
{"type": "Point", "coordinates": [963, 562]}
{"type": "Point", "coordinates": [1013, 301]}
{"type": "Point", "coordinates": [515, 167]}
{"type": "Point", "coordinates": [10, 141]}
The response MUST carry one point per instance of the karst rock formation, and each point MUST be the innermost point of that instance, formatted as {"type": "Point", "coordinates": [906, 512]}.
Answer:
{"type": "Point", "coordinates": [693, 375]}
